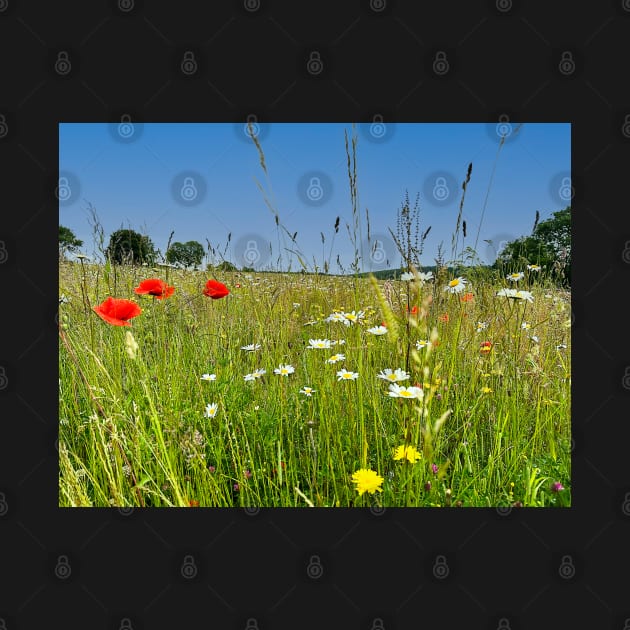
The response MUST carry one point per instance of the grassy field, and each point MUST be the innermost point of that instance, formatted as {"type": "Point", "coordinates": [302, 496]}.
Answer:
{"type": "Point", "coordinates": [172, 411]}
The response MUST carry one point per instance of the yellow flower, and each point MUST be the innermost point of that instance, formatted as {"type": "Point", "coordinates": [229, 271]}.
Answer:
{"type": "Point", "coordinates": [486, 390]}
{"type": "Point", "coordinates": [367, 481]}
{"type": "Point", "coordinates": [408, 452]}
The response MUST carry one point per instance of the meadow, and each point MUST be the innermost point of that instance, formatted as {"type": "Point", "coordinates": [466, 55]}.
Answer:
{"type": "Point", "coordinates": [183, 388]}
{"type": "Point", "coordinates": [313, 390]}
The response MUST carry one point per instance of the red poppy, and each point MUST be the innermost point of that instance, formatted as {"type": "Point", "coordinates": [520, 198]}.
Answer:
{"type": "Point", "coordinates": [215, 289]}
{"type": "Point", "coordinates": [467, 297]}
{"type": "Point", "coordinates": [117, 312]}
{"type": "Point", "coordinates": [444, 318]}
{"type": "Point", "coordinates": [155, 287]}
{"type": "Point", "coordinates": [485, 347]}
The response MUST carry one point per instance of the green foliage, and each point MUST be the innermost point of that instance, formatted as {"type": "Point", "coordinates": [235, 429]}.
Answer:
{"type": "Point", "coordinates": [226, 266]}
{"type": "Point", "coordinates": [68, 242]}
{"type": "Point", "coordinates": [130, 247]}
{"type": "Point", "coordinates": [189, 254]}
{"type": "Point", "coordinates": [549, 246]}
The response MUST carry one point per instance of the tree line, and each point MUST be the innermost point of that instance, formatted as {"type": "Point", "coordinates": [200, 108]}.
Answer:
{"type": "Point", "coordinates": [549, 245]}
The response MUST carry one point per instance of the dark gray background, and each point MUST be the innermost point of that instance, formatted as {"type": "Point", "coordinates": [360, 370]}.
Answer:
{"type": "Point", "coordinates": [311, 568]}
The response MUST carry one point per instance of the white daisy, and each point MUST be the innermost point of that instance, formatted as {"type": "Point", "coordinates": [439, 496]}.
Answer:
{"type": "Point", "coordinates": [336, 317]}
{"type": "Point", "coordinates": [345, 375]}
{"type": "Point", "coordinates": [515, 277]}
{"type": "Point", "coordinates": [284, 370]}
{"type": "Point", "coordinates": [211, 410]}
{"type": "Point", "coordinates": [516, 295]}
{"type": "Point", "coordinates": [319, 343]}
{"type": "Point", "coordinates": [336, 358]}
{"type": "Point", "coordinates": [456, 286]}
{"type": "Point", "coordinates": [422, 343]}
{"type": "Point", "coordinates": [393, 375]}
{"type": "Point", "coordinates": [397, 391]}
{"type": "Point", "coordinates": [526, 325]}
{"type": "Point", "coordinates": [378, 330]}
{"type": "Point", "coordinates": [254, 375]}
{"type": "Point", "coordinates": [251, 347]}
{"type": "Point", "coordinates": [353, 317]}
{"type": "Point", "coordinates": [208, 377]}
{"type": "Point", "coordinates": [481, 326]}
{"type": "Point", "coordinates": [307, 391]}
{"type": "Point", "coordinates": [425, 277]}
{"type": "Point", "coordinates": [405, 277]}
{"type": "Point", "coordinates": [533, 267]}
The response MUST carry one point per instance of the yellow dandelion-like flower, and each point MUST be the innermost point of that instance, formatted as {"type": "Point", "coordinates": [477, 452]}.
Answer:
{"type": "Point", "coordinates": [410, 453]}
{"type": "Point", "coordinates": [486, 390]}
{"type": "Point", "coordinates": [367, 480]}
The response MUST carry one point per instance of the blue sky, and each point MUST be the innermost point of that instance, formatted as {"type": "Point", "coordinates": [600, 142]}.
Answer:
{"type": "Point", "coordinates": [200, 181]}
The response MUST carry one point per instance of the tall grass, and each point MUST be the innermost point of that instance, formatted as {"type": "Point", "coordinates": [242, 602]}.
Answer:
{"type": "Point", "coordinates": [492, 429]}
